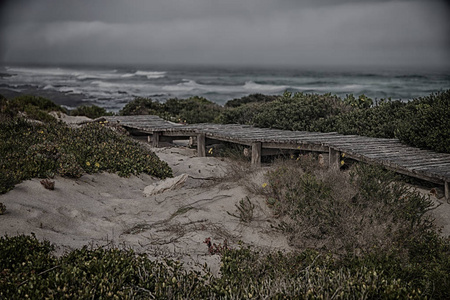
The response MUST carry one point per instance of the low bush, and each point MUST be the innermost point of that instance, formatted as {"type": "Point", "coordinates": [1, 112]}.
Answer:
{"type": "Point", "coordinates": [353, 212]}
{"type": "Point", "coordinates": [33, 107]}
{"type": "Point", "coordinates": [365, 217]}
{"type": "Point", "coordinates": [378, 121]}
{"type": "Point", "coordinates": [191, 110]}
{"type": "Point", "coordinates": [30, 270]}
{"type": "Point", "coordinates": [426, 122]}
{"type": "Point", "coordinates": [291, 111]}
{"type": "Point", "coordinates": [244, 114]}
{"type": "Point", "coordinates": [92, 111]}
{"type": "Point", "coordinates": [250, 99]}
{"type": "Point", "coordinates": [29, 150]}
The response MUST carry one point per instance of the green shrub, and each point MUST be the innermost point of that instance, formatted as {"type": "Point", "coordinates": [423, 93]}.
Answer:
{"type": "Point", "coordinates": [29, 270]}
{"type": "Point", "coordinates": [141, 106]}
{"type": "Point", "coordinates": [367, 219]}
{"type": "Point", "coordinates": [250, 99]}
{"type": "Point", "coordinates": [244, 114]}
{"type": "Point", "coordinates": [92, 111]}
{"type": "Point", "coordinates": [378, 121]}
{"type": "Point", "coordinates": [30, 150]}
{"type": "Point", "coordinates": [34, 107]}
{"type": "Point", "coordinates": [291, 111]}
{"type": "Point", "coordinates": [355, 214]}
{"type": "Point", "coordinates": [39, 102]}
{"type": "Point", "coordinates": [191, 110]}
{"type": "Point", "coordinates": [426, 122]}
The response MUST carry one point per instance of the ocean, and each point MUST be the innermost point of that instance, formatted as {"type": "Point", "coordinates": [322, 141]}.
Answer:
{"type": "Point", "coordinates": [112, 87]}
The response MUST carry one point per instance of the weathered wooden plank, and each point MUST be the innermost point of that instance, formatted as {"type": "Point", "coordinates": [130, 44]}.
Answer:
{"type": "Point", "coordinates": [418, 164]}
{"type": "Point", "coordinates": [399, 169]}
{"type": "Point", "coordinates": [403, 158]}
{"type": "Point", "coordinates": [435, 165]}
{"type": "Point", "coordinates": [390, 155]}
{"type": "Point", "coordinates": [423, 162]}
{"type": "Point", "coordinates": [350, 140]}
{"type": "Point", "coordinates": [304, 147]}
{"type": "Point", "coordinates": [358, 144]}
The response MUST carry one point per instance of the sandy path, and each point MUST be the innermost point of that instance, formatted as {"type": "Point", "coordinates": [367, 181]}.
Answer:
{"type": "Point", "coordinates": [104, 208]}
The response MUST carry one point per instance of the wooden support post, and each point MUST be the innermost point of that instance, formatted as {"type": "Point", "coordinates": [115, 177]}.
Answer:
{"type": "Point", "coordinates": [334, 158]}
{"type": "Point", "coordinates": [192, 141]}
{"type": "Point", "coordinates": [447, 191]}
{"type": "Point", "coordinates": [201, 150]}
{"type": "Point", "coordinates": [256, 154]}
{"type": "Point", "coordinates": [155, 139]}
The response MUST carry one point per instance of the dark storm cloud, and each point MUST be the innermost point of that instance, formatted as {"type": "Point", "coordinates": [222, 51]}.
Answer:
{"type": "Point", "coordinates": [331, 32]}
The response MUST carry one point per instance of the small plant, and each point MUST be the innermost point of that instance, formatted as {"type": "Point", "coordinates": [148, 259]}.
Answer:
{"type": "Point", "coordinates": [92, 112]}
{"type": "Point", "coordinates": [216, 249]}
{"type": "Point", "coordinates": [2, 208]}
{"type": "Point", "coordinates": [244, 210]}
{"type": "Point", "coordinates": [49, 185]}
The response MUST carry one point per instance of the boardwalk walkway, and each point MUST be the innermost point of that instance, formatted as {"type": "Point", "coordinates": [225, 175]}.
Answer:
{"type": "Point", "coordinates": [390, 153]}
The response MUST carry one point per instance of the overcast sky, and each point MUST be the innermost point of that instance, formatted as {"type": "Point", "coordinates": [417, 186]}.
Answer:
{"type": "Point", "coordinates": [240, 32]}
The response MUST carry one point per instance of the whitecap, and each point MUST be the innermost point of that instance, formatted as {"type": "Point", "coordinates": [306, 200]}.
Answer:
{"type": "Point", "coordinates": [148, 74]}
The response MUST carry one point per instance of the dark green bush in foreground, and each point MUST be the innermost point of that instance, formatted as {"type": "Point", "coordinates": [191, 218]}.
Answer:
{"type": "Point", "coordinates": [122, 274]}
{"type": "Point", "coordinates": [92, 111]}
{"type": "Point", "coordinates": [29, 150]}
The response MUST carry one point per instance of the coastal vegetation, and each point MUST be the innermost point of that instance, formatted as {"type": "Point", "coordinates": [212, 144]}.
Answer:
{"type": "Point", "coordinates": [358, 234]}
{"type": "Point", "coordinates": [191, 110]}
{"type": "Point", "coordinates": [90, 111]}
{"type": "Point", "coordinates": [34, 144]}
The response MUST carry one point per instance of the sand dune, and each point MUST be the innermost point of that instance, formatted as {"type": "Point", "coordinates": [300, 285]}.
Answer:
{"type": "Point", "coordinates": [104, 208]}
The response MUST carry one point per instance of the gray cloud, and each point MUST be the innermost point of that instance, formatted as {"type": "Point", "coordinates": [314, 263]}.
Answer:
{"type": "Point", "coordinates": [338, 32]}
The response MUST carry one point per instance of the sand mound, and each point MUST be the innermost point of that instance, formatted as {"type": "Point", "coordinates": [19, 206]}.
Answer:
{"type": "Point", "coordinates": [105, 208]}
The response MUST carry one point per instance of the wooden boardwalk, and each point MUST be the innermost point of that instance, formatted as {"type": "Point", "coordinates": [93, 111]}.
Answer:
{"type": "Point", "coordinates": [390, 153]}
